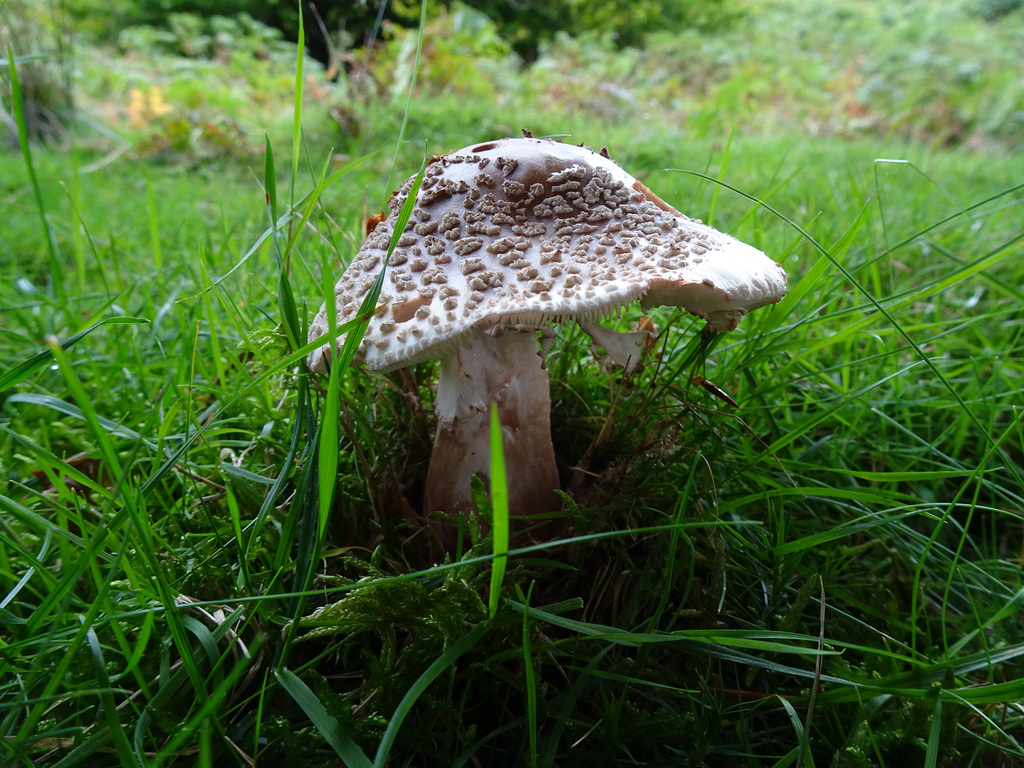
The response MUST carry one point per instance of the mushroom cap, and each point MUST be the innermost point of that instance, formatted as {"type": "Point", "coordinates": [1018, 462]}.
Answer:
{"type": "Point", "coordinates": [527, 231]}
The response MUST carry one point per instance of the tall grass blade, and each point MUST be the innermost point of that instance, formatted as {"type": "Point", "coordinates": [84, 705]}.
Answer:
{"type": "Point", "coordinates": [898, 327]}
{"type": "Point", "coordinates": [205, 719]}
{"type": "Point", "coordinates": [327, 442]}
{"type": "Point", "coordinates": [26, 368]}
{"type": "Point", "coordinates": [499, 507]}
{"type": "Point", "coordinates": [70, 409]}
{"type": "Point", "coordinates": [288, 218]}
{"type": "Point", "coordinates": [323, 721]}
{"type": "Point", "coordinates": [805, 743]}
{"type": "Point", "coordinates": [408, 101]}
{"type": "Point", "coordinates": [56, 268]}
{"type": "Point", "coordinates": [300, 60]}
{"type": "Point", "coordinates": [286, 362]}
{"type": "Point", "coordinates": [121, 743]}
{"type": "Point", "coordinates": [529, 681]}
{"type": "Point", "coordinates": [722, 169]}
{"type": "Point", "coordinates": [285, 296]}
{"type": "Point", "coordinates": [369, 304]}
{"type": "Point", "coordinates": [284, 477]}
{"type": "Point", "coordinates": [154, 227]}
{"type": "Point", "coordinates": [54, 675]}
{"type": "Point", "coordinates": [443, 662]}
{"type": "Point", "coordinates": [931, 757]}
{"type": "Point", "coordinates": [289, 310]}
{"type": "Point", "coordinates": [669, 577]}
{"type": "Point", "coordinates": [141, 529]}
{"type": "Point", "coordinates": [270, 181]}
{"type": "Point", "coordinates": [301, 528]}
{"type": "Point", "coordinates": [326, 438]}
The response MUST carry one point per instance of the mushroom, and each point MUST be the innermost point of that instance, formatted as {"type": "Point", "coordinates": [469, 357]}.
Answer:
{"type": "Point", "coordinates": [507, 237]}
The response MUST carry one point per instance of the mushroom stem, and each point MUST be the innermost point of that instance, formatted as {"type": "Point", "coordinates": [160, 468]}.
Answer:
{"type": "Point", "coordinates": [502, 366]}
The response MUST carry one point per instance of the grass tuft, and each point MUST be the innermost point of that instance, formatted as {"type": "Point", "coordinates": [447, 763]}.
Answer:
{"type": "Point", "coordinates": [499, 513]}
{"type": "Point", "coordinates": [811, 558]}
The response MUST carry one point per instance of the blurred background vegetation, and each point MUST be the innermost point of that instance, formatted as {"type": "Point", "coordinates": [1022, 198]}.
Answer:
{"type": "Point", "coordinates": [183, 78]}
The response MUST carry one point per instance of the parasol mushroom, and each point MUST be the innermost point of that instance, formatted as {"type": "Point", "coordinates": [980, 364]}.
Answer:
{"type": "Point", "coordinates": [507, 237]}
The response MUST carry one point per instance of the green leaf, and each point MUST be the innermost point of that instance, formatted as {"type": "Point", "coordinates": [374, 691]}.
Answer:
{"type": "Point", "coordinates": [270, 180]}
{"type": "Point", "coordinates": [300, 46]}
{"type": "Point", "coordinates": [443, 662]}
{"type": "Point", "coordinates": [499, 511]}
{"type": "Point", "coordinates": [9, 619]}
{"type": "Point", "coordinates": [124, 747]}
{"type": "Point", "coordinates": [931, 758]}
{"type": "Point", "coordinates": [528, 676]}
{"type": "Point", "coordinates": [26, 368]}
{"type": "Point", "coordinates": [289, 311]}
{"type": "Point", "coordinates": [107, 426]}
{"type": "Point", "coordinates": [328, 456]}
{"type": "Point", "coordinates": [323, 721]}
{"type": "Point", "coordinates": [801, 735]}
{"type": "Point", "coordinates": [56, 267]}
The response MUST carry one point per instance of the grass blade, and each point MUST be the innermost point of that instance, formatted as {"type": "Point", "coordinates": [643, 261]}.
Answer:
{"type": "Point", "coordinates": [26, 368]}
{"type": "Point", "coordinates": [529, 681]}
{"type": "Point", "coordinates": [121, 743]}
{"type": "Point", "coordinates": [877, 304]}
{"type": "Point", "coordinates": [323, 721]}
{"type": "Point", "coordinates": [801, 749]}
{"type": "Point", "coordinates": [931, 758]}
{"type": "Point", "coordinates": [408, 102]}
{"type": "Point", "coordinates": [56, 268]}
{"type": "Point", "coordinates": [300, 60]}
{"type": "Point", "coordinates": [443, 662]}
{"type": "Point", "coordinates": [270, 180]}
{"type": "Point", "coordinates": [499, 507]}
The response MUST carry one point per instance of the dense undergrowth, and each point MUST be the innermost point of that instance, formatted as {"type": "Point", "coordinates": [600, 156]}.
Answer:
{"type": "Point", "coordinates": [828, 573]}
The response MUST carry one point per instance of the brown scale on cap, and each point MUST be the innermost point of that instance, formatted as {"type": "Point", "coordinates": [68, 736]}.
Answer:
{"type": "Point", "coordinates": [518, 233]}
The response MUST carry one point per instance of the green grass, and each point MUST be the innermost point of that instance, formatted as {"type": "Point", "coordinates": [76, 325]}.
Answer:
{"type": "Point", "coordinates": [827, 574]}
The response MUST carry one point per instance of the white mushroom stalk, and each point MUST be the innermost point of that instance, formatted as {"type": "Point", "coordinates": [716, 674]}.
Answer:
{"type": "Point", "coordinates": [507, 237]}
{"type": "Point", "coordinates": [501, 365]}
